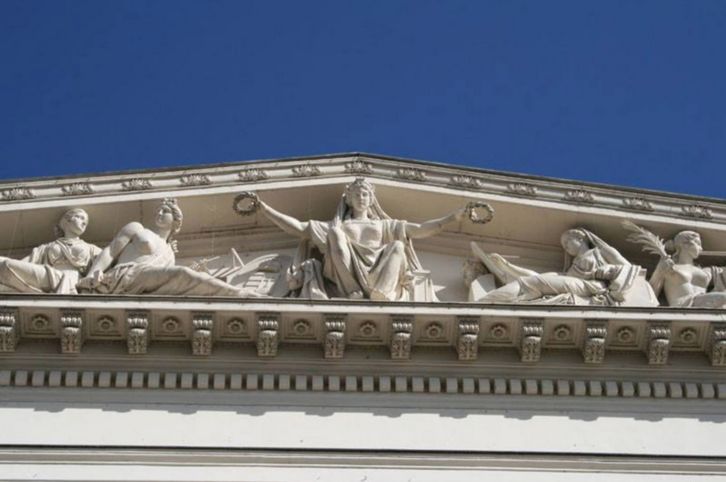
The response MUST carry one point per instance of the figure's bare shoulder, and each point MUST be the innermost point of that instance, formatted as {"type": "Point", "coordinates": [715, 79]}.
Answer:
{"type": "Point", "coordinates": [131, 229]}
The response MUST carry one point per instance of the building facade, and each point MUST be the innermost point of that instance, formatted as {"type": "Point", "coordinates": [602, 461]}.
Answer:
{"type": "Point", "coordinates": [359, 317]}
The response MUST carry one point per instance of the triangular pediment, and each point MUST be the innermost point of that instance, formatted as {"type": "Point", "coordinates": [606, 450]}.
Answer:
{"type": "Point", "coordinates": [530, 212]}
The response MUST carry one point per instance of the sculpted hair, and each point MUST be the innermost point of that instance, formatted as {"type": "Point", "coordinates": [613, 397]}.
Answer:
{"type": "Point", "coordinates": [360, 183]}
{"type": "Point", "coordinates": [675, 244]}
{"type": "Point", "coordinates": [580, 234]}
{"type": "Point", "coordinates": [574, 233]}
{"type": "Point", "coordinates": [58, 228]}
{"type": "Point", "coordinates": [176, 213]}
{"type": "Point", "coordinates": [375, 210]}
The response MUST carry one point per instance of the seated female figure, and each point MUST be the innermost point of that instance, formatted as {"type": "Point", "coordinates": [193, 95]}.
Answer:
{"type": "Point", "coordinates": [53, 267]}
{"type": "Point", "coordinates": [367, 255]}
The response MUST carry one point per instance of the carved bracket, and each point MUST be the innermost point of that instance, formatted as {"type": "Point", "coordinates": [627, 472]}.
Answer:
{"type": "Point", "coordinates": [530, 343]}
{"type": "Point", "coordinates": [9, 335]}
{"type": "Point", "coordinates": [202, 324]}
{"type": "Point", "coordinates": [268, 337]}
{"type": "Point", "coordinates": [659, 343]}
{"type": "Point", "coordinates": [716, 345]}
{"type": "Point", "coordinates": [71, 331]}
{"type": "Point", "coordinates": [593, 344]}
{"type": "Point", "coordinates": [334, 343]}
{"type": "Point", "coordinates": [467, 345]}
{"type": "Point", "coordinates": [400, 346]}
{"type": "Point", "coordinates": [137, 333]}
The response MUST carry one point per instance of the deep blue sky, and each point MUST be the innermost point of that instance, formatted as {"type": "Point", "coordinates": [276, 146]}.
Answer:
{"type": "Point", "coordinates": [630, 93]}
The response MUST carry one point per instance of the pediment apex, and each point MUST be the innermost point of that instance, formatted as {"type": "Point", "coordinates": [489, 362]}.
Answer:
{"type": "Point", "coordinates": [528, 209]}
{"type": "Point", "coordinates": [206, 176]}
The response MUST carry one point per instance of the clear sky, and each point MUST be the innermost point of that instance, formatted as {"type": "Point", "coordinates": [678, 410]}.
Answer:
{"type": "Point", "coordinates": [622, 92]}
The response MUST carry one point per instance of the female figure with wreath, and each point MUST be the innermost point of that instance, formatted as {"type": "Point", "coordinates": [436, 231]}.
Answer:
{"type": "Point", "coordinates": [366, 254]}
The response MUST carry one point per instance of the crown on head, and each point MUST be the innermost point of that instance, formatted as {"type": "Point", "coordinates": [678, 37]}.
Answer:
{"type": "Point", "coordinates": [360, 183]}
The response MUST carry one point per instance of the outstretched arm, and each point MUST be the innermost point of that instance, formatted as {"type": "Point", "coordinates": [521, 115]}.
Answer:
{"type": "Point", "coordinates": [429, 228]}
{"type": "Point", "coordinates": [287, 223]}
{"type": "Point", "coordinates": [610, 254]}
{"type": "Point", "coordinates": [505, 271]}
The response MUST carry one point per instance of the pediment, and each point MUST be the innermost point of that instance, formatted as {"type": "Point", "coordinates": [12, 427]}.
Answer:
{"type": "Point", "coordinates": [530, 215]}
{"type": "Point", "coordinates": [531, 212]}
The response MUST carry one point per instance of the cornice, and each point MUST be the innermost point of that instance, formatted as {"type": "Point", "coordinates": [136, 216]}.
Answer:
{"type": "Point", "coordinates": [325, 329]}
{"type": "Point", "coordinates": [258, 174]}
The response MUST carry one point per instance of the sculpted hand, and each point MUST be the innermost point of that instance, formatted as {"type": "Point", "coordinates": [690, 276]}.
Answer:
{"type": "Point", "coordinates": [607, 272]}
{"type": "Point", "coordinates": [668, 264]}
{"type": "Point", "coordinates": [336, 223]}
{"type": "Point", "coordinates": [460, 213]}
{"type": "Point", "coordinates": [594, 238]}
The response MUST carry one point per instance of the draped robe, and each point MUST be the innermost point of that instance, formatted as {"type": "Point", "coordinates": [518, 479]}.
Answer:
{"type": "Point", "coordinates": [379, 269]}
{"type": "Point", "coordinates": [158, 274]}
{"type": "Point", "coordinates": [582, 283]}
{"type": "Point", "coordinates": [53, 267]}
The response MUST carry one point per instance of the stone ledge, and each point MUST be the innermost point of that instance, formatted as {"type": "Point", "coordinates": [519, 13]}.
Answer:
{"type": "Point", "coordinates": [272, 325]}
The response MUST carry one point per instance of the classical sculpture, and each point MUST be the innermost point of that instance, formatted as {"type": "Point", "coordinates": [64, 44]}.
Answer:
{"type": "Point", "coordinates": [142, 260]}
{"type": "Point", "coordinates": [366, 254]}
{"type": "Point", "coordinates": [594, 273]}
{"type": "Point", "coordinates": [678, 276]}
{"type": "Point", "coordinates": [54, 267]}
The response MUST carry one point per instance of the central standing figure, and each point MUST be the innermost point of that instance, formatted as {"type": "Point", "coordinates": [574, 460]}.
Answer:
{"type": "Point", "coordinates": [366, 253]}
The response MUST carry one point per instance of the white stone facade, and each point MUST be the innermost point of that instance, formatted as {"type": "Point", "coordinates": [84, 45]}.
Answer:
{"type": "Point", "coordinates": [278, 385]}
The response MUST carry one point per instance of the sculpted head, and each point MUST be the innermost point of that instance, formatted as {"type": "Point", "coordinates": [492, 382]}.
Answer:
{"type": "Point", "coordinates": [686, 242]}
{"type": "Point", "coordinates": [360, 194]}
{"type": "Point", "coordinates": [169, 215]}
{"type": "Point", "coordinates": [574, 241]}
{"type": "Point", "coordinates": [72, 224]}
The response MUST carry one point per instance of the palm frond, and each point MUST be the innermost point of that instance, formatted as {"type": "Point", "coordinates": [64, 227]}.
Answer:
{"type": "Point", "coordinates": [651, 243]}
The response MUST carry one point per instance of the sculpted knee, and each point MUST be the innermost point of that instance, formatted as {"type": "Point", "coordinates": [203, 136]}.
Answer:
{"type": "Point", "coordinates": [399, 247]}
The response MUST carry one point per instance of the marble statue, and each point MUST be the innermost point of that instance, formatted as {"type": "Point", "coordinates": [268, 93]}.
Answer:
{"type": "Point", "coordinates": [53, 267]}
{"type": "Point", "coordinates": [365, 253]}
{"type": "Point", "coordinates": [594, 273]}
{"type": "Point", "coordinates": [683, 282]}
{"type": "Point", "coordinates": [142, 260]}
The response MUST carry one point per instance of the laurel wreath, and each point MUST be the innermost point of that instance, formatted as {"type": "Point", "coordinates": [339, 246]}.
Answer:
{"type": "Point", "coordinates": [479, 212]}
{"type": "Point", "coordinates": [246, 203]}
